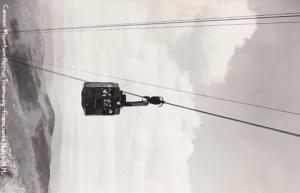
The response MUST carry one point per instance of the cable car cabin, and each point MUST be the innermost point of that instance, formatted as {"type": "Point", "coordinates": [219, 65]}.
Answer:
{"type": "Point", "coordinates": [101, 98]}
{"type": "Point", "coordinates": [106, 98]}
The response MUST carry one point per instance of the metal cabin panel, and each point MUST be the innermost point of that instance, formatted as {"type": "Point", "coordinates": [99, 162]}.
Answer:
{"type": "Point", "coordinates": [101, 98]}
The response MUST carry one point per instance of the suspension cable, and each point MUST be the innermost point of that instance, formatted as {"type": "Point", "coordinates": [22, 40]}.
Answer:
{"type": "Point", "coordinates": [169, 23]}
{"type": "Point", "coordinates": [168, 103]}
{"type": "Point", "coordinates": [230, 100]}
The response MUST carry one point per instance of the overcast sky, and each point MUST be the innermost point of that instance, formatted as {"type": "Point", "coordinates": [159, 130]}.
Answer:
{"type": "Point", "coordinates": [146, 150]}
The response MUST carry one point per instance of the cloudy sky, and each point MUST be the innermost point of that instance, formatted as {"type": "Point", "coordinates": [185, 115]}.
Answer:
{"type": "Point", "coordinates": [146, 150]}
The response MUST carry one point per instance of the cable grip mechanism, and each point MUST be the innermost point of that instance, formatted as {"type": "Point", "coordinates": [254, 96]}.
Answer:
{"type": "Point", "coordinates": [155, 100]}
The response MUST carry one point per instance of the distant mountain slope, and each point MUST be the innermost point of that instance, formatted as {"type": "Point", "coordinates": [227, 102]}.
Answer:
{"type": "Point", "coordinates": [30, 116]}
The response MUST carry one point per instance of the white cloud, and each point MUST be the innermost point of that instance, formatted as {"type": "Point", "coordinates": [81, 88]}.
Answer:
{"type": "Point", "coordinates": [218, 49]}
{"type": "Point", "coordinates": [144, 150]}
{"type": "Point", "coordinates": [206, 51]}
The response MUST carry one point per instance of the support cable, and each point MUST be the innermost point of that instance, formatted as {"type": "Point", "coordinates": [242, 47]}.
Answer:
{"type": "Point", "coordinates": [230, 100]}
{"type": "Point", "coordinates": [225, 117]}
{"type": "Point", "coordinates": [165, 102]}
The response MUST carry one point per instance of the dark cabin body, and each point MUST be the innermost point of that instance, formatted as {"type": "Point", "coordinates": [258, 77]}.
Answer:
{"type": "Point", "coordinates": [101, 98]}
{"type": "Point", "coordinates": [106, 98]}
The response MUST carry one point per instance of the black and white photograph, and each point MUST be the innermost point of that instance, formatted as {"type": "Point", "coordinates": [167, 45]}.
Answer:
{"type": "Point", "coordinates": [150, 96]}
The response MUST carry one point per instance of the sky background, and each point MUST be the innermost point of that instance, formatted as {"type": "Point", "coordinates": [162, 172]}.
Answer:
{"type": "Point", "coordinates": [146, 150]}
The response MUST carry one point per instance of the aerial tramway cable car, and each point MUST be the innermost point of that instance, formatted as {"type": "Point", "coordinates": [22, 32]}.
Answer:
{"type": "Point", "coordinates": [106, 98]}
